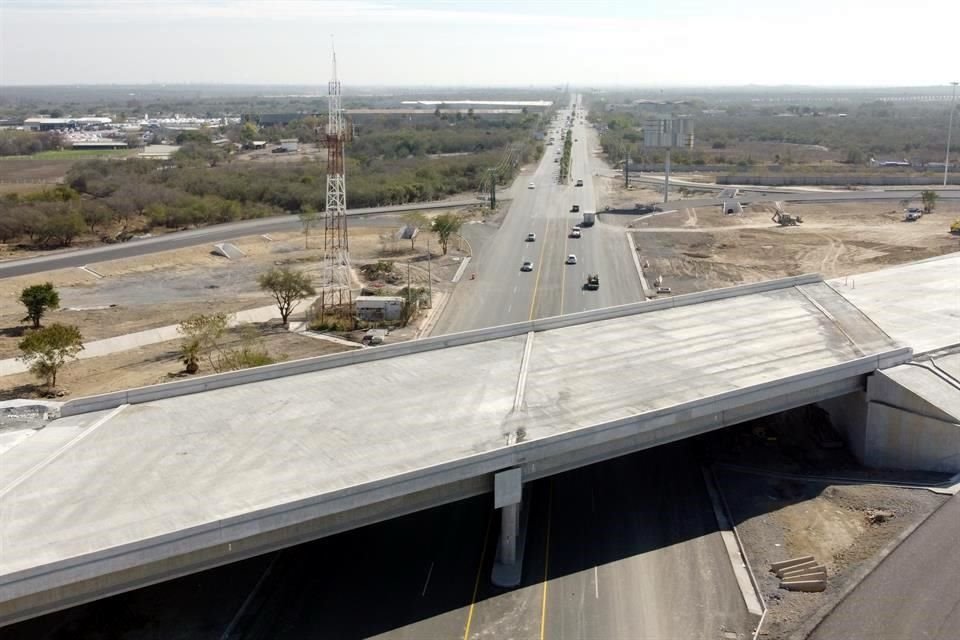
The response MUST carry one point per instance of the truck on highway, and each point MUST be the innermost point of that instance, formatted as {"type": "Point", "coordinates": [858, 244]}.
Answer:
{"type": "Point", "coordinates": [593, 282]}
{"type": "Point", "coordinates": [589, 217]}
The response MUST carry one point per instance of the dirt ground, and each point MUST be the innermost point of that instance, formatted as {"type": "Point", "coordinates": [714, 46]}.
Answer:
{"type": "Point", "coordinates": [698, 248]}
{"type": "Point", "coordinates": [768, 472]}
{"type": "Point", "coordinates": [157, 363]}
{"type": "Point", "coordinates": [779, 519]}
{"type": "Point", "coordinates": [165, 288]}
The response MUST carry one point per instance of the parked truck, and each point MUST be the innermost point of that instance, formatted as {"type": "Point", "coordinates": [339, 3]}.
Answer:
{"type": "Point", "coordinates": [589, 217]}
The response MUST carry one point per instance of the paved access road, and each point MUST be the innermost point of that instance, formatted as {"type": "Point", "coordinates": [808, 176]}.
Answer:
{"type": "Point", "coordinates": [913, 593]}
{"type": "Point", "coordinates": [502, 294]}
{"type": "Point", "coordinates": [192, 238]}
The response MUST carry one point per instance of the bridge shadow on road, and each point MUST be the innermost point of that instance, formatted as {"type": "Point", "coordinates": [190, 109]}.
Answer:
{"type": "Point", "coordinates": [421, 576]}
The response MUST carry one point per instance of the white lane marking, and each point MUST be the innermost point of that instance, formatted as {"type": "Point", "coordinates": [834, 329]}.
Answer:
{"type": "Point", "coordinates": [509, 307]}
{"type": "Point", "coordinates": [596, 583]}
{"type": "Point", "coordinates": [429, 573]}
{"type": "Point", "coordinates": [515, 288]}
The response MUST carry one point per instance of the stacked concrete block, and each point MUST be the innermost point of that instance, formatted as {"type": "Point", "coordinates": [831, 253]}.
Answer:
{"type": "Point", "coordinates": [801, 574]}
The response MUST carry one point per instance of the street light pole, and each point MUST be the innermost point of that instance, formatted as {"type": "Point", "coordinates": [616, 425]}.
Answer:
{"type": "Point", "coordinates": [946, 162]}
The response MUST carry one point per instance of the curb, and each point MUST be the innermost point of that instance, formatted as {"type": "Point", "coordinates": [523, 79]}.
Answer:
{"type": "Point", "coordinates": [749, 588]}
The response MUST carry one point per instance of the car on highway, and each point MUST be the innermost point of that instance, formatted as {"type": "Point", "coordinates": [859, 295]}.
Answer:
{"type": "Point", "coordinates": [575, 232]}
{"type": "Point", "coordinates": [572, 259]}
{"type": "Point", "coordinates": [531, 186]}
{"type": "Point", "coordinates": [579, 183]}
{"type": "Point", "coordinates": [531, 237]}
{"type": "Point", "coordinates": [575, 208]}
{"type": "Point", "coordinates": [526, 266]}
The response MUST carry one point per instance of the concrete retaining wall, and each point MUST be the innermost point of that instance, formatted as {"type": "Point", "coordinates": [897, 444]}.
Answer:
{"type": "Point", "coordinates": [901, 439]}
{"type": "Point", "coordinates": [306, 365]}
{"type": "Point", "coordinates": [891, 427]}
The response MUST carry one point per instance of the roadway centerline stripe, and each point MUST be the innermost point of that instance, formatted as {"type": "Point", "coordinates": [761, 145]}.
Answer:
{"type": "Point", "coordinates": [546, 565]}
{"type": "Point", "coordinates": [476, 583]}
{"type": "Point", "coordinates": [536, 283]}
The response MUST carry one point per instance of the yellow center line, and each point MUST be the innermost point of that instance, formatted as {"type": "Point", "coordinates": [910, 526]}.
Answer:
{"type": "Point", "coordinates": [476, 583]}
{"type": "Point", "coordinates": [536, 283]}
{"type": "Point", "coordinates": [546, 566]}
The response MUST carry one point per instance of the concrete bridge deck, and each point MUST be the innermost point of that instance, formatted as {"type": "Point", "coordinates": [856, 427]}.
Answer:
{"type": "Point", "coordinates": [123, 495]}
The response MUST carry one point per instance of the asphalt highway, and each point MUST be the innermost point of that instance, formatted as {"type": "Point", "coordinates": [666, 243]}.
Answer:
{"type": "Point", "coordinates": [180, 239]}
{"type": "Point", "coordinates": [502, 294]}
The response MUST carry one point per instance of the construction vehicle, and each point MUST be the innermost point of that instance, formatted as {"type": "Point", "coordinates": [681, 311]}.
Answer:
{"type": "Point", "coordinates": [785, 219]}
{"type": "Point", "coordinates": [955, 227]}
{"type": "Point", "coordinates": [593, 282]}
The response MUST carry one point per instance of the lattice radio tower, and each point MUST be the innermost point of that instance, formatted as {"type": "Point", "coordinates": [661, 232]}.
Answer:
{"type": "Point", "coordinates": [336, 246]}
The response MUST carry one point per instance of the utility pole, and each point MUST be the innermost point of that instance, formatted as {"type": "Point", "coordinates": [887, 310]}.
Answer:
{"type": "Point", "coordinates": [626, 170]}
{"type": "Point", "coordinates": [946, 162]}
{"type": "Point", "coordinates": [429, 276]}
{"type": "Point", "coordinates": [666, 177]}
{"type": "Point", "coordinates": [493, 188]}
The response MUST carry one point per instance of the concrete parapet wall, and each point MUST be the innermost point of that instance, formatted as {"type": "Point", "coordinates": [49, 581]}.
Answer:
{"type": "Point", "coordinates": [218, 381]}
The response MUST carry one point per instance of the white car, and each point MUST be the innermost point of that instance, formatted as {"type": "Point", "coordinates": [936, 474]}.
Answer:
{"type": "Point", "coordinates": [571, 259]}
{"type": "Point", "coordinates": [531, 237]}
{"type": "Point", "coordinates": [526, 266]}
{"type": "Point", "coordinates": [531, 186]}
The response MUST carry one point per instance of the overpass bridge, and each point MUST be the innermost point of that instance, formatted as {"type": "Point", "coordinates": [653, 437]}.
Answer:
{"type": "Point", "coordinates": [144, 485]}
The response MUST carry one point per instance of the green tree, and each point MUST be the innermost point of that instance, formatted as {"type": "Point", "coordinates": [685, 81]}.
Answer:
{"type": "Point", "coordinates": [287, 287]}
{"type": "Point", "coordinates": [929, 200]}
{"type": "Point", "coordinates": [202, 334]}
{"type": "Point", "coordinates": [854, 156]}
{"type": "Point", "coordinates": [61, 228]}
{"type": "Point", "coordinates": [46, 350]}
{"type": "Point", "coordinates": [446, 225]}
{"type": "Point", "coordinates": [418, 221]}
{"type": "Point", "coordinates": [38, 299]}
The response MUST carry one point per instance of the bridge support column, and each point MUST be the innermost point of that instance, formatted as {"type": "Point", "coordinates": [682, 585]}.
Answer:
{"type": "Point", "coordinates": [508, 497]}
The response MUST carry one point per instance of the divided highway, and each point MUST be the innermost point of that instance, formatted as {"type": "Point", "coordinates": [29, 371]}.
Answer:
{"type": "Point", "coordinates": [502, 294]}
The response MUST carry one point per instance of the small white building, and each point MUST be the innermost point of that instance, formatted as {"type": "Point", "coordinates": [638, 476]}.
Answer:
{"type": "Point", "coordinates": [289, 144]}
{"type": "Point", "coordinates": [379, 308]}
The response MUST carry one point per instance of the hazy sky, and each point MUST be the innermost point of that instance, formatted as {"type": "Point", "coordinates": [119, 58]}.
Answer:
{"type": "Point", "coordinates": [662, 42]}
